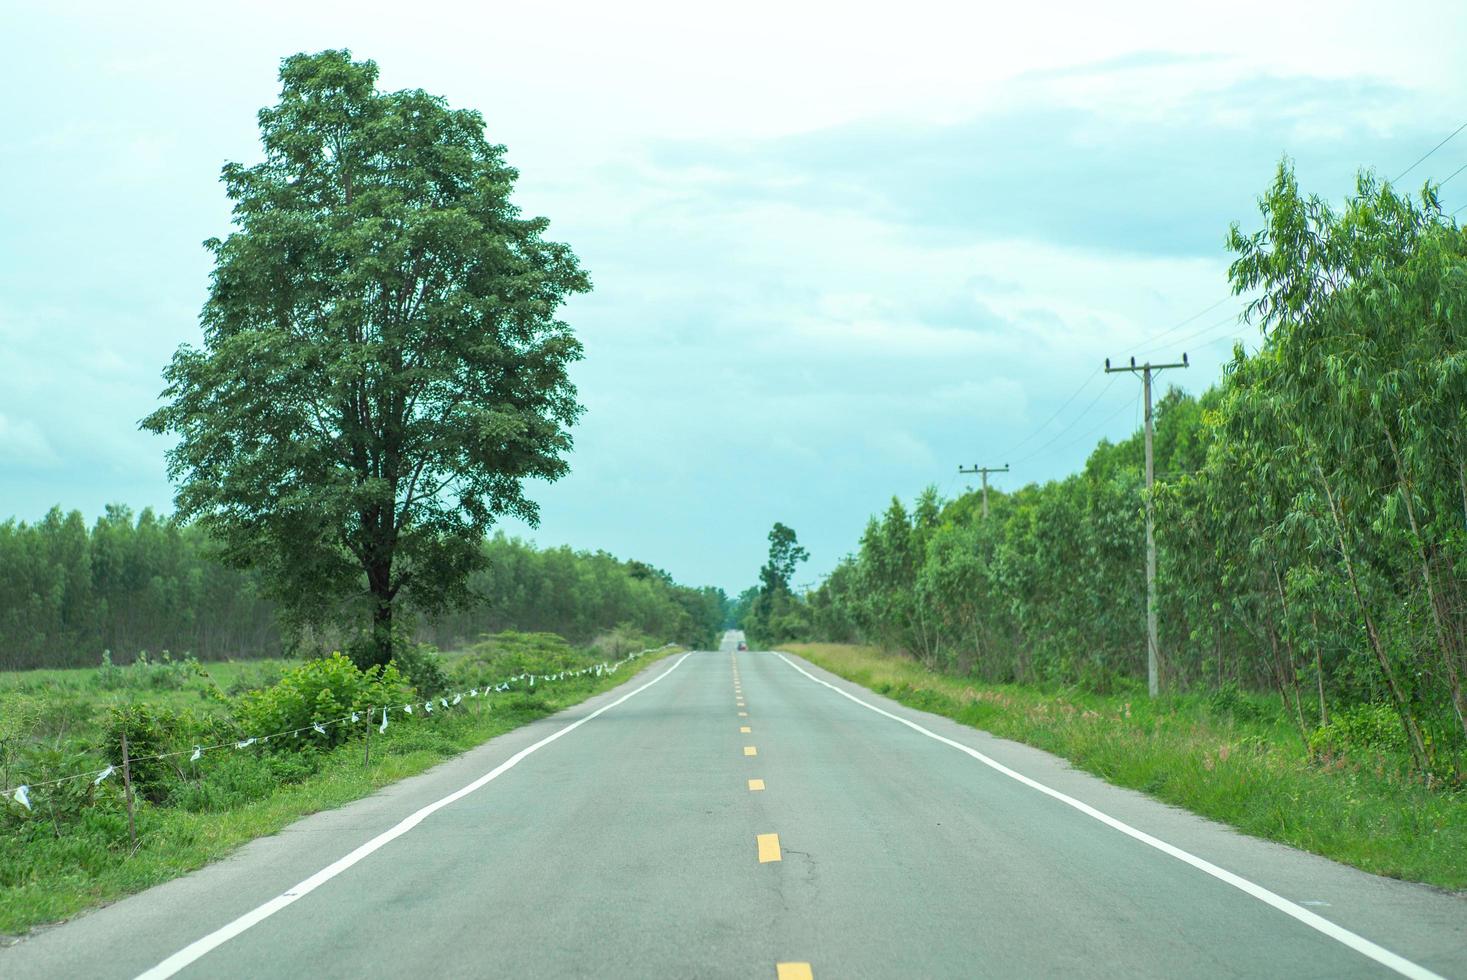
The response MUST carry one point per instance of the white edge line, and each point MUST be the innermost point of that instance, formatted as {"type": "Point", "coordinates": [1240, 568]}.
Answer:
{"type": "Point", "coordinates": [218, 937]}
{"type": "Point", "coordinates": [1359, 944]}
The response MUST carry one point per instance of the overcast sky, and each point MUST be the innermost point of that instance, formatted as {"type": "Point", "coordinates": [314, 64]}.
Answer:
{"type": "Point", "coordinates": [838, 249]}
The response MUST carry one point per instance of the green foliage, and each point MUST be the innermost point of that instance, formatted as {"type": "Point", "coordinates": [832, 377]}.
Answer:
{"type": "Point", "coordinates": [1366, 731]}
{"type": "Point", "coordinates": [125, 584]}
{"type": "Point", "coordinates": [72, 849]}
{"type": "Point", "coordinates": [785, 554]}
{"type": "Point", "coordinates": [1311, 509]}
{"type": "Point", "coordinates": [319, 691]}
{"type": "Point", "coordinates": [128, 585]}
{"type": "Point", "coordinates": [151, 730]}
{"type": "Point", "coordinates": [382, 366]}
{"type": "Point", "coordinates": [144, 672]}
{"type": "Point", "coordinates": [580, 595]}
{"type": "Point", "coordinates": [495, 658]}
{"type": "Point", "coordinates": [423, 668]}
{"type": "Point", "coordinates": [1252, 772]}
{"type": "Point", "coordinates": [774, 615]}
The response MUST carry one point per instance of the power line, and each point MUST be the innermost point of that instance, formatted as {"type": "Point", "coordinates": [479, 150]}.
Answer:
{"type": "Point", "coordinates": [1083, 385]}
{"type": "Point", "coordinates": [1443, 183]}
{"type": "Point", "coordinates": [1195, 316]}
{"type": "Point", "coordinates": [1430, 152]}
{"type": "Point", "coordinates": [1230, 321]}
{"type": "Point", "coordinates": [1067, 428]}
{"type": "Point", "coordinates": [1089, 434]}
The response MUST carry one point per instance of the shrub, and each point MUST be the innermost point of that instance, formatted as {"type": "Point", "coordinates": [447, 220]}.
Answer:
{"type": "Point", "coordinates": [423, 667]}
{"type": "Point", "coordinates": [1362, 729]}
{"type": "Point", "coordinates": [616, 643]}
{"type": "Point", "coordinates": [506, 654]}
{"type": "Point", "coordinates": [319, 691]}
{"type": "Point", "coordinates": [253, 677]}
{"type": "Point", "coordinates": [152, 730]}
{"type": "Point", "coordinates": [145, 672]}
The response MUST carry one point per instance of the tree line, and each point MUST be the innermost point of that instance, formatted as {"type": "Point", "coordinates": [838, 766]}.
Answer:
{"type": "Point", "coordinates": [1311, 507]}
{"type": "Point", "coordinates": [140, 582]}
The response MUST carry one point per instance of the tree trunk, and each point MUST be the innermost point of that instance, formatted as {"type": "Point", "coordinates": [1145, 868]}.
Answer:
{"type": "Point", "coordinates": [1292, 674]}
{"type": "Point", "coordinates": [1403, 709]}
{"type": "Point", "coordinates": [1319, 670]}
{"type": "Point", "coordinates": [1443, 639]}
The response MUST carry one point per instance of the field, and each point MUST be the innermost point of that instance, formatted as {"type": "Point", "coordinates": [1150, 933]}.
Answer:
{"type": "Point", "coordinates": [72, 849]}
{"type": "Point", "coordinates": [1233, 757]}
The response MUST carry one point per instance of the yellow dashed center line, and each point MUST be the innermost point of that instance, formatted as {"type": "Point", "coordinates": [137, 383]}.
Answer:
{"type": "Point", "coordinates": [750, 750]}
{"type": "Point", "coordinates": [793, 971]}
{"type": "Point", "coordinates": [743, 714]}
{"type": "Point", "coordinates": [756, 785]}
{"type": "Point", "coordinates": [745, 729]}
{"type": "Point", "coordinates": [768, 848]}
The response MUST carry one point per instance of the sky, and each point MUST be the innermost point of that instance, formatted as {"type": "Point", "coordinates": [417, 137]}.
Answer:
{"type": "Point", "coordinates": [838, 249]}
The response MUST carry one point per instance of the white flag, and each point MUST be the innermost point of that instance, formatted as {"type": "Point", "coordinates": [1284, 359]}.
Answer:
{"type": "Point", "coordinates": [428, 706]}
{"type": "Point", "coordinates": [317, 726]}
{"type": "Point", "coordinates": [407, 708]}
{"type": "Point", "coordinates": [457, 698]}
{"type": "Point", "coordinates": [353, 717]}
{"type": "Point", "coordinates": [474, 692]}
{"type": "Point", "coordinates": [247, 742]}
{"type": "Point", "coordinates": [198, 751]}
{"type": "Point", "coordinates": [105, 773]}
{"type": "Point", "coordinates": [444, 702]}
{"type": "Point", "coordinates": [23, 796]}
{"type": "Point", "coordinates": [384, 721]}
{"type": "Point", "coordinates": [532, 680]}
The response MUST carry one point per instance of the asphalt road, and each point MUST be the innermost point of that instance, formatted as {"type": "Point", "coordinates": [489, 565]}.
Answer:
{"type": "Point", "coordinates": [724, 813]}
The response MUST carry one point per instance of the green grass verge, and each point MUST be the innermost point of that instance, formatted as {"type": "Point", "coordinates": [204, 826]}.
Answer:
{"type": "Point", "coordinates": [1242, 765]}
{"type": "Point", "coordinates": [50, 880]}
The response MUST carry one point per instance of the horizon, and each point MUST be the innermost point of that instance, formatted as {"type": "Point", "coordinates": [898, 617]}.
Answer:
{"type": "Point", "coordinates": [807, 274]}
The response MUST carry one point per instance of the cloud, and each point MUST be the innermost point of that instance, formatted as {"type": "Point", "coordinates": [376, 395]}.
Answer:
{"type": "Point", "coordinates": [1153, 168]}
{"type": "Point", "coordinates": [24, 446]}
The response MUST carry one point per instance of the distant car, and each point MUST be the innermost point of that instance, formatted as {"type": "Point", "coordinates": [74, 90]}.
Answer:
{"type": "Point", "coordinates": [743, 645]}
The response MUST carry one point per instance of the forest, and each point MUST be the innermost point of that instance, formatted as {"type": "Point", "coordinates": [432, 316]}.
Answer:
{"type": "Point", "coordinates": [132, 583]}
{"type": "Point", "coordinates": [1311, 508]}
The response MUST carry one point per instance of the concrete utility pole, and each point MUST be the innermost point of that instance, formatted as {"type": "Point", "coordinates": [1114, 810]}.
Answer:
{"type": "Point", "coordinates": [985, 470]}
{"type": "Point", "coordinates": [1146, 371]}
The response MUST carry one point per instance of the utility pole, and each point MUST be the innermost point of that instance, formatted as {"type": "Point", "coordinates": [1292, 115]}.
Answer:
{"type": "Point", "coordinates": [1147, 370]}
{"type": "Point", "coordinates": [985, 470]}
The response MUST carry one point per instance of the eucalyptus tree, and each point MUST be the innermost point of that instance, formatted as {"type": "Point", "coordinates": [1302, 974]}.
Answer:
{"type": "Point", "coordinates": [382, 364]}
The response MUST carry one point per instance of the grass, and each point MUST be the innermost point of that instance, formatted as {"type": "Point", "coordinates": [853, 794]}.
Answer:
{"type": "Point", "coordinates": [72, 864]}
{"type": "Point", "coordinates": [1240, 763]}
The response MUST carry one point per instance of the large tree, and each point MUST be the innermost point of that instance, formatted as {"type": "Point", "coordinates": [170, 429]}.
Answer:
{"type": "Point", "coordinates": [382, 366]}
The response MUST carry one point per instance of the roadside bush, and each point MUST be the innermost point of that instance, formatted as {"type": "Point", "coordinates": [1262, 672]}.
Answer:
{"type": "Point", "coordinates": [506, 654]}
{"type": "Point", "coordinates": [423, 667]}
{"type": "Point", "coordinates": [319, 691]}
{"type": "Point", "coordinates": [1363, 729]}
{"type": "Point", "coordinates": [145, 672]}
{"type": "Point", "coordinates": [254, 677]}
{"type": "Point", "coordinates": [151, 730]}
{"type": "Point", "coordinates": [614, 644]}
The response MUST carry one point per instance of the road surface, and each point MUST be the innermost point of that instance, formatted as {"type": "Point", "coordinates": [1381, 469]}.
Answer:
{"type": "Point", "coordinates": [730, 814]}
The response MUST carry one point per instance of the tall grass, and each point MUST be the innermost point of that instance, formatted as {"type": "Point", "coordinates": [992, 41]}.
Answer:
{"type": "Point", "coordinates": [53, 866]}
{"type": "Point", "coordinates": [1235, 758]}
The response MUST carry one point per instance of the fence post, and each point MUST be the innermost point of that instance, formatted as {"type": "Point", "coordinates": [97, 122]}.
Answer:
{"type": "Point", "coordinates": [132, 829]}
{"type": "Point", "coordinates": [367, 751]}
